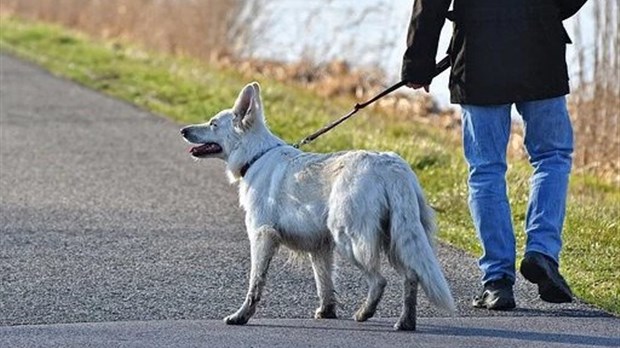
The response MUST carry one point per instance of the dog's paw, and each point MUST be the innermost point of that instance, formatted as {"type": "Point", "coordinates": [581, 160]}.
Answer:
{"type": "Point", "coordinates": [405, 325]}
{"type": "Point", "coordinates": [362, 314]}
{"type": "Point", "coordinates": [325, 313]}
{"type": "Point", "coordinates": [235, 319]}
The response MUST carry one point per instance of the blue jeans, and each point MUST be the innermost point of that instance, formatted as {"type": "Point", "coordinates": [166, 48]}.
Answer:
{"type": "Point", "coordinates": [549, 144]}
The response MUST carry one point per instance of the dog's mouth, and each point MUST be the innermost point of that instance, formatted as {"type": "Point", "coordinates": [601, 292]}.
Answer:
{"type": "Point", "coordinates": [205, 150]}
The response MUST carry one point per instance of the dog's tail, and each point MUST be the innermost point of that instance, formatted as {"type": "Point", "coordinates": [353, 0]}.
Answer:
{"type": "Point", "coordinates": [411, 242]}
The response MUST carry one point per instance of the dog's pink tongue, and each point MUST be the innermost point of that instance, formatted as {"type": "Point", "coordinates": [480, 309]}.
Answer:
{"type": "Point", "coordinates": [195, 149]}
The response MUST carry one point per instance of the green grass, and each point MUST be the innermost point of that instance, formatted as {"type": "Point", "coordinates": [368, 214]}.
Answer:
{"type": "Point", "coordinates": [189, 91]}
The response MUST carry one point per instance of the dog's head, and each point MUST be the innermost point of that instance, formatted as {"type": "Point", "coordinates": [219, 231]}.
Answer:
{"type": "Point", "coordinates": [222, 135]}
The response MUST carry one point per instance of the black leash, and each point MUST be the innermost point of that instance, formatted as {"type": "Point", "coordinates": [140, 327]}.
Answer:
{"type": "Point", "coordinates": [439, 68]}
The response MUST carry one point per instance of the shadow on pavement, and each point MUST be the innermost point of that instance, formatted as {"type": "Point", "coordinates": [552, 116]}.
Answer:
{"type": "Point", "coordinates": [571, 339]}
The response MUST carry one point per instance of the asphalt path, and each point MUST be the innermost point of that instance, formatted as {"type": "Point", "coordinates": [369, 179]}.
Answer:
{"type": "Point", "coordinates": [107, 223]}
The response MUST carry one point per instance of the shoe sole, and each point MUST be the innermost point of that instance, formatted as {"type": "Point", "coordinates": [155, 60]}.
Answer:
{"type": "Point", "coordinates": [550, 290]}
{"type": "Point", "coordinates": [498, 305]}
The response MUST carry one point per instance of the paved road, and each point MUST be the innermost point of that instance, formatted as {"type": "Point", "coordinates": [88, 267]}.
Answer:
{"type": "Point", "coordinates": [104, 217]}
{"type": "Point", "coordinates": [504, 332]}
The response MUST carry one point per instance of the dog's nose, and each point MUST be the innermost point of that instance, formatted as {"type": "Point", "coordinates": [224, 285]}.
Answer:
{"type": "Point", "coordinates": [184, 132]}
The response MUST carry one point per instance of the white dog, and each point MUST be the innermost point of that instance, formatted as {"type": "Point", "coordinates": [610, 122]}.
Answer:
{"type": "Point", "coordinates": [357, 202]}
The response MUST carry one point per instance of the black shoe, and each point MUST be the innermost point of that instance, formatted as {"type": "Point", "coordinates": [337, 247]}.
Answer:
{"type": "Point", "coordinates": [543, 271]}
{"type": "Point", "coordinates": [496, 295]}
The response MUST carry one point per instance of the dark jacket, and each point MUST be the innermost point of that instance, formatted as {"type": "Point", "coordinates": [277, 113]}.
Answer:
{"type": "Point", "coordinates": [502, 51]}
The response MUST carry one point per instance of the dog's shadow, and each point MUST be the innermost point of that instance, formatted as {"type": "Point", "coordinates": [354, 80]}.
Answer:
{"type": "Point", "coordinates": [476, 332]}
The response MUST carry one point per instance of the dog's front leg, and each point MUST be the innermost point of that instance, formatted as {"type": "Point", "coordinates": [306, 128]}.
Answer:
{"type": "Point", "coordinates": [323, 265]}
{"type": "Point", "coordinates": [263, 244]}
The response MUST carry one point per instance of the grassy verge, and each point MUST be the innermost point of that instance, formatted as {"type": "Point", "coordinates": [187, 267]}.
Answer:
{"type": "Point", "coordinates": [189, 91]}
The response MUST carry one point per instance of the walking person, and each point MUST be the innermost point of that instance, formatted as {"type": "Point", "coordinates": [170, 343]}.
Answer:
{"type": "Point", "coordinates": [506, 52]}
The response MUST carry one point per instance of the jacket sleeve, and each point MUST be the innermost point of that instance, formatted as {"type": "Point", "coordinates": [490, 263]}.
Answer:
{"type": "Point", "coordinates": [569, 7]}
{"type": "Point", "coordinates": [427, 19]}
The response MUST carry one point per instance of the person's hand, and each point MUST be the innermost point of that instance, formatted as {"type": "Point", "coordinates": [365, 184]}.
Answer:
{"type": "Point", "coordinates": [418, 86]}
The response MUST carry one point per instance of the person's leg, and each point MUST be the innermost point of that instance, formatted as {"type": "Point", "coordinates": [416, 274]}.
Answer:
{"type": "Point", "coordinates": [486, 130]}
{"type": "Point", "coordinates": [549, 143]}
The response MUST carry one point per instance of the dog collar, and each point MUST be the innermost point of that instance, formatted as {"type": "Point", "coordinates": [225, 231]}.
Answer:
{"type": "Point", "coordinates": [246, 166]}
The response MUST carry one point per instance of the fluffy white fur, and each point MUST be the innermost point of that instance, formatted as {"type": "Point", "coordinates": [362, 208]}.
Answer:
{"type": "Point", "coordinates": [360, 203]}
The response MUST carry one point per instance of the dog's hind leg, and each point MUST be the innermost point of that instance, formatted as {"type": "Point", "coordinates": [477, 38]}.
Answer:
{"type": "Point", "coordinates": [365, 255]}
{"type": "Point", "coordinates": [376, 285]}
{"type": "Point", "coordinates": [323, 265]}
{"type": "Point", "coordinates": [407, 320]}
{"type": "Point", "coordinates": [369, 263]}
{"type": "Point", "coordinates": [263, 245]}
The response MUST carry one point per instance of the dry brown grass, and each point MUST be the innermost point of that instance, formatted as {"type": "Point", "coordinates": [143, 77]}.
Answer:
{"type": "Point", "coordinates": [595, 101]}
{"type": "Point", "coordinates": [597, 134]}
{"type": "Point", "coordinates": [200, 28]}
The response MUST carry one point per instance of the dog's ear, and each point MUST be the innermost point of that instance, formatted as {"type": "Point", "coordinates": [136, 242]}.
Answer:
{"type": "Point", "coordinates": [248, 108]}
